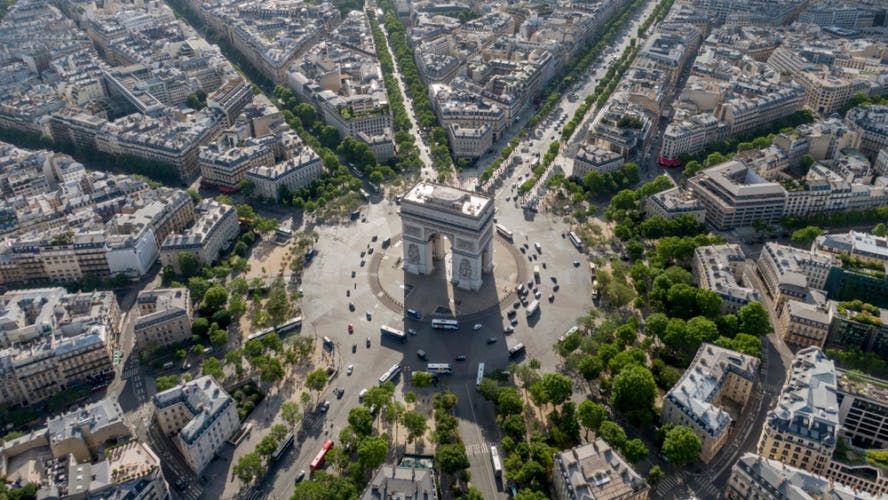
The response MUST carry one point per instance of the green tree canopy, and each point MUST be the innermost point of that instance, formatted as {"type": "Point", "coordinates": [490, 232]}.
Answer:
{"type": "Point", "coordinates": [681, 446]}
{"type": "Point", "coordinates": [634, 393]}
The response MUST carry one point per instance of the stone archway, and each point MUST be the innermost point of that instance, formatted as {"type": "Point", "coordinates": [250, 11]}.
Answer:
{"type": "Point", "coordinates": [432, 211]}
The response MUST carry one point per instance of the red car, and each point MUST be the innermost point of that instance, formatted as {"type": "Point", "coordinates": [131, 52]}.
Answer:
{"type": "Point", "coordinates": [351, 329]}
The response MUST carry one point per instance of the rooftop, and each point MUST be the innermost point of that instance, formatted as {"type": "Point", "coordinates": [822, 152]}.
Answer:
{"type": "Point", "coordinates": [596, 471]}
{"type": "Point", "coordinates": [787, 482]}
{"type": "Point", "coordinates": [807, 404]}
{"type": "Point", "coordinates": [448, 198]}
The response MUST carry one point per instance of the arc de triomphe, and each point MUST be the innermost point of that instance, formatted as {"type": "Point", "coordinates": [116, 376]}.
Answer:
{"type": "Point", "coordinates": [430, 211]}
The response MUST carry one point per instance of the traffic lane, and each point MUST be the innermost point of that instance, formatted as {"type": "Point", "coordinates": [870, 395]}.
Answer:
{"type": "Point", "coordinates": [478, 430]}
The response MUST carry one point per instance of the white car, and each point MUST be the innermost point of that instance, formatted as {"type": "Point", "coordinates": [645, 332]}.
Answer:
{"type": "Point", "coordinates": [351, 368]}
{"type": "Point", "coordinates": [477, 326]}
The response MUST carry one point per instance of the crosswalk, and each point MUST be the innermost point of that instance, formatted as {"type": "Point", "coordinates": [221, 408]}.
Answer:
{"type": "Point", "coordinates": [478, 449]}
{"type": "Point", "coordinates": [671, 482]}
{"type": "Point", "coordinates": [701, 486]}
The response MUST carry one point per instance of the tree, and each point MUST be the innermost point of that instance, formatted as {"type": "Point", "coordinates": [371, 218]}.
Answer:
{"type": "Point", "coordinates": [166, 382]}
{"type": "Point", "coordinates": [422, 379]}
{"type": "Point", "coordinates": [278, 304]}
{"type": "Point", "coordinates": [634, 392]}
{"type": "Point", "coordinates": [529, 494]}
{"type": "Point", "coordinates": [508, 401]}
{"type": "Point", "coordinates": [698, 330]}
{"type": "Point", "coordinates": [805, 236]}
{"type": "Point", "coordinates": [360, 419]}
{"type": "Point", "coordinates": [372, 451]}
{"type": "Point", "coordinates": [415, 424]}
{"type": "Point", "coordinates": [754, 319]}
{"type": "Point", "coordinates": [236, 307]}
{"type": "Point", "coordinates": [248, 468]}
{"type": "Point", "coordinates": [691, 168]}
{"type": "Point", "coordinates": [188, 264]}
{"type": "Point", "coordinates": [635, 450]}
{"type": "Point", "coordinates": [212, 367]}
{"type": "Point", "coordinates": [612, 434]}
{"type": "Point", "coordinates": [681, 446]}
{"type": "Point", "coordinates": [451, 458]}
{"type": "Point", "coordinates": [180, 354]}
{"type": "Point", "coordinates": [655, 325]}
{"type": "Point", "coordinates": [880, 229]}
{"type": "Point", "coordinates": [290, 413]}
{"type": "Point", "coordinates": [200, 327]}
{"type": "Point", "coordinates": [591, 415]}
{"type": "Point", "coordinates": [316, 380]}
{"type": "Point", "coordinates": [217, 335]}
{"type": "Point", "coordinates": [655, 475]}
{"type": "Point", "coordinates": [222, 317]}
{"type": "Point", "coordinates": [215, 299]}
{"type": "Point", "coordinates": [805, 162]}
{"type": "Point", "coordinates": [558, 387]}
{"type": "Point", "coordinates": [323, 486]}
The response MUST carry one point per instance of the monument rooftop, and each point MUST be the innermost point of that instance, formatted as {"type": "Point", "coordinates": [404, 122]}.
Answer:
{"type": "Point", "coordinates": [449, 198]}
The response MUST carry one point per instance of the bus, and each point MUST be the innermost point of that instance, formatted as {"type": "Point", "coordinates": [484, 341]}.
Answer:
{"type": "Point", "coordinates": [532, 308]}
{"type": "Point", "coordinates": [445, 324]}
{"type": "Point", "coordinates": [283, 447]}
{"type": "Point", "coordinates": [575, 240]}
{"type": "Point", "coordinates": [505, 233]}
{"type": "Point", "coordinates": [289, 326]}
{"type": "Point", "coordinates": [440, 368]}
{"type": "Point", "coordinates": [390, 374]}
{"type": "Point", "coordinates": [497, 465]}
{"type": "Point", "coordinates": [260, 334]}
{"type": "Point", "coordinates": [318, 460]}
{"type": "Point", "coordinates": [393, 333]}
{"type": "Point", "coordinates": [516, 350]}
{"type": "Point", "coordinates": [480, 375]}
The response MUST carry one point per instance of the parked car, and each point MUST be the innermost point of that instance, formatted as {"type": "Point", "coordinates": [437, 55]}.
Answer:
{"type": "Point", "coordinates": [507, 330]}
{"type": "Point", "coordinates": [368, 342]}
{"type": "Point", "coordinates": [351, 328]}
{"type": "Point", "coordinates": [324, 406]}
{"type": "Point", "coordinates": [339, 392]}
{"type": "Point", "coordinates": [300, 476]}
{"type": "Point", "coordinates": [350, 370]}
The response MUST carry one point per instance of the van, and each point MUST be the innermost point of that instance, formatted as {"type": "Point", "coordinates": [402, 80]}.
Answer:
{"type": "Point", "coordinates": [362, 394]}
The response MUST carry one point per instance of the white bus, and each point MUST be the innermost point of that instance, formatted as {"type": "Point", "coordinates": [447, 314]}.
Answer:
{"type": "Point", "coordinates": [497, 465]}
{"type": "Point", "coordinates": [505, 233]}
{"type": "Point", "coordinates": [289, 326]}
{"type": "Point", "coordinates": [532, 308]}
{"type": "Point", "coordinates": [445, 324]}
{"type": "Point", "coordinates": [575, 240]}
{"type": "Point", "coordinates": [390, 374]}
{"type": "Point", "coordinates": [393, 333]}
{"type": "Point", "coordinates": [440, 368]}
{"type": "Point", "coordinates": [480, 375]}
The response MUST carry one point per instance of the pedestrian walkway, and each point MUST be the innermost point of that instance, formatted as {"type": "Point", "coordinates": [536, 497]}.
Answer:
{"type": "Point", "coordinates": [671, 482]}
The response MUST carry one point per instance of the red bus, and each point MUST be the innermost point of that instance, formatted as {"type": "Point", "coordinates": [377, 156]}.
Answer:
{"type": "Point", "coordinates": [319, 458]}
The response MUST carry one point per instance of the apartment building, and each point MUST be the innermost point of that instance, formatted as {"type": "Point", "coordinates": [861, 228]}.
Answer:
{"type": "Point", "coordinates": [591, 158]}
{"type": "Point", "coordinates": [623, 128]}
{"type": "Point", "coordinates": [828, 14]}
{"type": "Point", "coordinates": [802, 430]}
{"type": "Point", "coordinates": [717, 268]}
{"type": "Point", "coordinates": [674, 202]}
{"type": "Point", "coordinates": [83, 433]}
{"type": "Point", "coordinates": [164, 317]}
{"type": "Point", "coordinates": [231, 98]}
{"type": "Point", "coordinates": [225, 162]}
{"type": "Point", "coordinates": [757, 477]}
{"type": "Point", "coordinates": [734, 195]}
{"type": "Point", "coordinates": [85, 453]}
{"type": "Point", "coordinates": [789, 272]}
{"type": "Point", "coordinates": [199, 416]}
{"type": "Point", "coordinates": [881, 164]}
{"type": "Point", "coordinates": [289, 176]}
{"type": "Point", "coordinates": [389, 481]}
{"type": "Point", "coordinates": [216, 226]}
{"type": "Point", "coordinates": [51, 341]}
{"type": "Point", "coordinates": [691, 135]}
{"type": "Point", "coordinates": [806, 322]}
{"type": "Point", "coordinates": [596, 471]}
{"type": "Point", "coordinates": [871, 123]}
{"type": "Point", "coordinates": [716, 375]}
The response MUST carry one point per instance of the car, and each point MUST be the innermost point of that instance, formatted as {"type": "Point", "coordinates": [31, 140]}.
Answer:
{"type": "Point", "coordinates": [555, 288]}
{"type": "Point", "coordinates": [461, 357]}
{"type": "Point", "coordinates": [515, 305]}
{"type": "Point", "coordinates": [300, 476]}
{"type": "Point", "coordinates": [512, 312]}
{"type": "Point", "coordinates": [576, 263]}
{"type": "Point", "coordinates": [351, 306]}
{"type": "Point", "coordinates": [477, 326]}
{"type": "Point", "coordinates": [324, 406]}
{"type": "Point", "coordinates": [507, 330]}
{"type": "Point", "coordinates": [351, 328]}
{"type": "Point", "coordinates": [374, 238]}
{"type": "Point", "coordinates": [368, 342]}
{"type": "Point", "coordinates": [350, 369]}
{"type": "Point", "coordinates": [514, 321]}
{"type": "Point", "coordinates": [411, 331]}
{"type": "Point", "coordinates": [537, 295]}
{"type": "Point", "coordinates": [370, 251]}
{"type": "Point", "coordinates": [354, 273]}
{"type": "Point", "coordinates": [530, 283]}
{"type": "Point", "coordinates": [339, 392]}
{"type": "Point", "coordinates": [369, 316]}
{"type": "Point", "coordinates": [422, 355]}
{"type": "Point", "coordinates": [363, 262]}
{"type": "Point", "coordinates": [491, 340]}
{"type": "Point", "coordinates": [363, 253]}
{"type": "Point", "coordinates": [354, 348]}
{"type": "Point", "coordinates": [551, 297]}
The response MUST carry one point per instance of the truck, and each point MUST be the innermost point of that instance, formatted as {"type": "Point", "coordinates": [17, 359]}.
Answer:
{"type": "Point", "coordinates": [536, 273]}
{"type": "Point", "coordinates": [532, 308]}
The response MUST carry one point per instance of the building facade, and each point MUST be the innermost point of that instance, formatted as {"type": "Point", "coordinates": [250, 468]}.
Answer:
{"type": "Point", "coordinates": [164, 317]}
